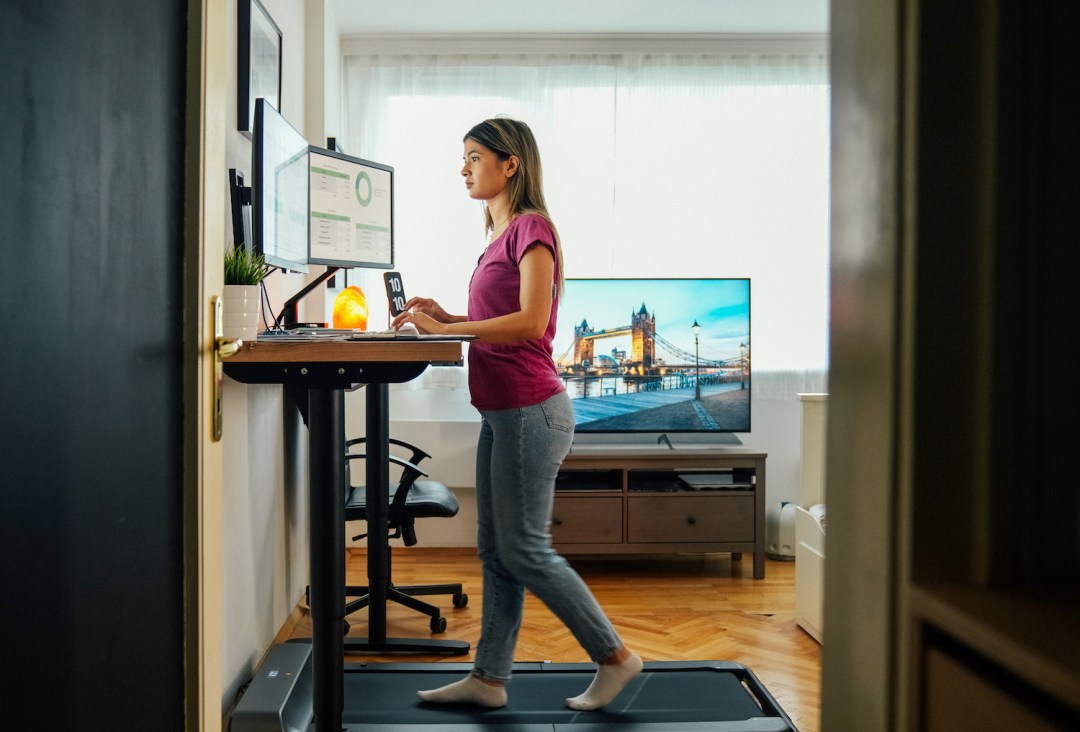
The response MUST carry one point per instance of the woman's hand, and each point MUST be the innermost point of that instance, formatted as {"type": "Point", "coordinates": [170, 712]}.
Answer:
{"type": "Point", "coordinates": [427, 315]}
{"type": "Point", "coordinates": [428, 307]}
{"type": "Point", "coordinates": [423, 323]}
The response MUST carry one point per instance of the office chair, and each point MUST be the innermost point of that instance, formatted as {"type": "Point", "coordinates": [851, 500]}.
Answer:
{"type": "Point", "coordinates": [410, 499]}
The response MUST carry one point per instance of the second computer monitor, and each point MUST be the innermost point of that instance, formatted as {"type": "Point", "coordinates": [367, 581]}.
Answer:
{"type": "Point", "coordinates": [351, 220]}
{"type": "Point", "coordinates": [279, 190]}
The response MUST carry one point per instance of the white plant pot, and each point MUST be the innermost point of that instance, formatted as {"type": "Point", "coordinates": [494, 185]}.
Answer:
{"type": "Point", "coordinates": [240, 311]}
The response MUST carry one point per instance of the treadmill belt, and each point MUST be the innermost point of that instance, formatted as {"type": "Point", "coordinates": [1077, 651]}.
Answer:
{"type": "Point", "coordinates": [693, 695]}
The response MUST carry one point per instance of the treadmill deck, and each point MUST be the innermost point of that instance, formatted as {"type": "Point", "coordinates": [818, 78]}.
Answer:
{"type": "Point", "coordinates": [695, 696]}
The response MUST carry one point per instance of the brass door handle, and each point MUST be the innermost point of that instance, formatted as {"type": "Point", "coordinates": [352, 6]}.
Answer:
{"type": "Point", "coordinates": [223, 348]}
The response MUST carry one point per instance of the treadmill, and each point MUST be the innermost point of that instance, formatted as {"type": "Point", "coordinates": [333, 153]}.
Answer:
{"type": "Point", "coordinates": [668, 696]}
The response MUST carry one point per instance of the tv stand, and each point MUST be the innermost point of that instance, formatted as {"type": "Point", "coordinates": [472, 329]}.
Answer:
{"type": "Point", "coordinates": [613, 499]}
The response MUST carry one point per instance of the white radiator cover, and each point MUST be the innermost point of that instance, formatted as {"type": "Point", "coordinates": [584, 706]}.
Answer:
{"type": "Point", "coordinates": [780, 531]}
{"type": "Point", "coordinates": [810, 518]}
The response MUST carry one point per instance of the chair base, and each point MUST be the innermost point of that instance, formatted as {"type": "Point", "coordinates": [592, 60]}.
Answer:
{"type": "Point", "coordinates": [405, 595]}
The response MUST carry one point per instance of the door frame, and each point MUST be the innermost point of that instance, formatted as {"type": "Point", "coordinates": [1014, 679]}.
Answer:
{"type": "Point", "coordinates": [204, 234]}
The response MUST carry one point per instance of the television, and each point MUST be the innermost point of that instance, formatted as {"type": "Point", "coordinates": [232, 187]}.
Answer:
{"type": "Point", "coordinates": [279, 190]}
{"type": "Point", "coordinates": [351, 221]}
{"type": "Point", "coordinates": [653, 355]}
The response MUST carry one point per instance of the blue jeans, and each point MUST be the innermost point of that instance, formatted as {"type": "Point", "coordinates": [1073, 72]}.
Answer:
{"type": "Point", "coordinates": [517, 459]}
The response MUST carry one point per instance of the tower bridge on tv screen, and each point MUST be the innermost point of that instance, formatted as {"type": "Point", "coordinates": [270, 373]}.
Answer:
{"type": "Point", "coordinates": [644, 357]}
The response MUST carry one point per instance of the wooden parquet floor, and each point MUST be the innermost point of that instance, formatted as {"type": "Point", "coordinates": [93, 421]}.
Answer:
{"type": "Point", "coordinates": [667, 609]}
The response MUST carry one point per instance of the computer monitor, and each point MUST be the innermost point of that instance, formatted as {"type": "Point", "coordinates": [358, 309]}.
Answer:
{"type": "Point", "coordinates": [279, 190]}
{"type": "Point", "coordinates": [351, 211]}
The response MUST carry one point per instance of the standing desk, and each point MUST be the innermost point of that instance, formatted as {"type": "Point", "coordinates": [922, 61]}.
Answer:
{"type": "Point", "coordinates": [324, 369]}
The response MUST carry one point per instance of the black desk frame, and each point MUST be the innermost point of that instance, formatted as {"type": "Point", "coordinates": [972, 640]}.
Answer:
{"type": "Point", "coordinates": [326, 382]}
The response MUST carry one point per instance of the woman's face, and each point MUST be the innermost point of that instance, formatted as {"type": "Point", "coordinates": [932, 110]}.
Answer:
{"type": "Point", "coordinates": [485, 175]}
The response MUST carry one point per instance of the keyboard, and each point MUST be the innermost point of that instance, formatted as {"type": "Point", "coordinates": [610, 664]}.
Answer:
{"type": "Point", "coordinates": [383, 335]}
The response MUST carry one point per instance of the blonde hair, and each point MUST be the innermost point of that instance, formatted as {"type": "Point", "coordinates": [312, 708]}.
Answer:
{"type": "Point", "coordinates": [506, 137]}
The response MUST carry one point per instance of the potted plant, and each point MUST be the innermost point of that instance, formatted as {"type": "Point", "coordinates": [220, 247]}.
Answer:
{"type": "Point", "coordinates": [244, 267]}
{"type": "Point", "coordinates": [244, 272]}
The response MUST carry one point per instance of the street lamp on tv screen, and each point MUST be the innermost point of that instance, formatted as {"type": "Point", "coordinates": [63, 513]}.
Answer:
{"type": "Point", "coordinates": [279, 190]}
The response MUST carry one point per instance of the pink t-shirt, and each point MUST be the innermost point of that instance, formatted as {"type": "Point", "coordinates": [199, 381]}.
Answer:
{"type": "Point", "coordinates": [519, 374]}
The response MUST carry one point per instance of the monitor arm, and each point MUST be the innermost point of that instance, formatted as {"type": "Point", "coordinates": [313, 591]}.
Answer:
{"type": "Point", "coordinates": [287, 318]}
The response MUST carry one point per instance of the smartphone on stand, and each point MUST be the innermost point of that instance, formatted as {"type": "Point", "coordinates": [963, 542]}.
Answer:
{"type": "Point", "coordinates": [395, 294]}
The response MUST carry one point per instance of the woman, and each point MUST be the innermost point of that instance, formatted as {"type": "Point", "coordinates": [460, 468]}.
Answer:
{"type": "Point", "coordinates": [527, 424]}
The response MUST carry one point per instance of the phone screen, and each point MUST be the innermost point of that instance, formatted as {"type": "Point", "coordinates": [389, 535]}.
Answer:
{"type": "Point", "coordinates": [395, 293]}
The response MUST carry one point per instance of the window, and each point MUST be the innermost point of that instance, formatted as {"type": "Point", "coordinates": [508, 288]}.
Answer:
{"type": "Point", "coordinates": [655, 164]}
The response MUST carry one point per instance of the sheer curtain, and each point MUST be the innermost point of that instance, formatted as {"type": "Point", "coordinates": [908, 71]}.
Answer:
{"type": "Point", "coordinates": [655, 164]}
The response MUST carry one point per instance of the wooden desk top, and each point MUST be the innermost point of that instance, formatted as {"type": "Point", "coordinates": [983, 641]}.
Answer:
{"type": "Point", "coordinates": [437, 352]}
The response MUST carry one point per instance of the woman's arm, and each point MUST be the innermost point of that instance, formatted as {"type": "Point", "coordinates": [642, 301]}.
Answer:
{"type": "Point", "coordinates": [537, 268]}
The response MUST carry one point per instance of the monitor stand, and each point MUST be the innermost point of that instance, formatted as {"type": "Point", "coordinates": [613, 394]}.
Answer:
{"type": "Point", "coordinates": [287, 317]}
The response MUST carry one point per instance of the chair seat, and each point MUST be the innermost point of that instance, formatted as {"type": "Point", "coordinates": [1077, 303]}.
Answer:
{"type": "Point", "coordinates": [426, 499]}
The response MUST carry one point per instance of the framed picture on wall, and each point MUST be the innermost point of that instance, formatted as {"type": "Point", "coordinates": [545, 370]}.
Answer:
{"type": "Point", "coordinates": [259, 63]}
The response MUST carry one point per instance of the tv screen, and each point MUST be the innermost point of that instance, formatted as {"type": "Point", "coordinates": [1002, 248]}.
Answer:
{"type": "Point", "coordinates": [656, 355]}
{"type": "Point", "coordinates": [279, 190]}
{"type": "Point", "coordinates": [352, 211]}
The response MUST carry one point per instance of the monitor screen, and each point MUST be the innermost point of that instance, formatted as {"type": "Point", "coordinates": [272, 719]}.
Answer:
{"type": "Point", "coordinates": [279, 190]}
{"type": "Point", "coordinates": [352, 211]}
{"type": "Point", "coordinates": [656, 355]}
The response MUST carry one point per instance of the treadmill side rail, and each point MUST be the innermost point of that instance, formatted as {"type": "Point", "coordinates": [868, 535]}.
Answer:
{"type": "Point", "coordinates": [278, 699]}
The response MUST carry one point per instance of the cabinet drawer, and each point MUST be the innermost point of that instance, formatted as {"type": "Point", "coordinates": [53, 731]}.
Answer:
{"type": "Point", "coordinates": [690, 519]}
{"type": "Point", "coordinates": [587, 520]}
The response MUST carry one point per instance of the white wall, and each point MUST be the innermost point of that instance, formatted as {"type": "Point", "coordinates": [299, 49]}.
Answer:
{"type": "Point", "coordinates": [265, 546]}
{"type": "Point", "coordinates": [322, 73]}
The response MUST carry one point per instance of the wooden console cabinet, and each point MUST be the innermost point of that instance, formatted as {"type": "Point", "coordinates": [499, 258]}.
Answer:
{"type": "Point", "coordinates": [618, 500]}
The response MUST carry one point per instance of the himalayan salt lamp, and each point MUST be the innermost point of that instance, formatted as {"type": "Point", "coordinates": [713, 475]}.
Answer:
{"type": "Point", "coordinates": [351, 308]}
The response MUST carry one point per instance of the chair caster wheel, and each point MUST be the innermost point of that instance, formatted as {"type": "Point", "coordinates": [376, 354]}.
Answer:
{"type": "Point", "coordinates": [461, 600]}
{"type": "Point", "coordinates": [438, 625]}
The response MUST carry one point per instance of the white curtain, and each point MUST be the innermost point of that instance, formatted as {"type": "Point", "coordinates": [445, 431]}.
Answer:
{"type": "Point", "coordinates": [667, 165]}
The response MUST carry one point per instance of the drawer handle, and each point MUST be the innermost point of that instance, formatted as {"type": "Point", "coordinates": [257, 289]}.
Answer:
{"type": "Point", "coordinates": [691, 520]}
{"type": "Point", "coordinates": [556, 522]}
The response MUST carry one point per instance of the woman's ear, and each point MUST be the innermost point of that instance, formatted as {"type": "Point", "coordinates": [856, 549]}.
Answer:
{"type": "Point", "coordinates": [512, 164]}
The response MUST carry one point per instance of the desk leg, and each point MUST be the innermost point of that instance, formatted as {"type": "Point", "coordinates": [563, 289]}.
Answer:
{"type": "Point", "coordinates": [378, 498]}
{"type": "Point", "coordinates": [326, 438]}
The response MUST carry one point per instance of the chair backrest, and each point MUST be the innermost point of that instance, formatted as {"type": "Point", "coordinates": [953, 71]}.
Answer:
{"type": "Point", "coordinates": [400, 519]}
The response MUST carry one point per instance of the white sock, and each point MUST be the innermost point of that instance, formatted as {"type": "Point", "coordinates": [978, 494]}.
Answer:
{"type": "Point", "coordinates": [610, 679]}
{"type": "Point", "coordinates": [469, 690]}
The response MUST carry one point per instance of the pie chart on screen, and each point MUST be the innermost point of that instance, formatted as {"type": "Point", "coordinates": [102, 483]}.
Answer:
{"type": "Point", "coordinates": [363, 188]}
